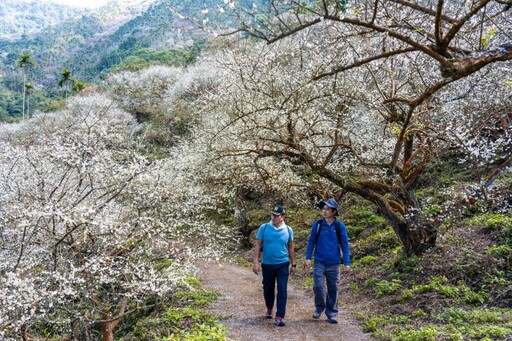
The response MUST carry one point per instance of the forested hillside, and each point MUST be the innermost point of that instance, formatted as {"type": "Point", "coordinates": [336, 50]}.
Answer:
{"type": "Point", "coordinates": [19, 18]}
{"type": "Point", "coordinates": [122, 34]}
{"type": "Point", "coordinates": [400, 110]}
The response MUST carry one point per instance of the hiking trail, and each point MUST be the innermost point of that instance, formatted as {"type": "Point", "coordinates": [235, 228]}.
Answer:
{"type": "Point", "coordinates": [241, 308]}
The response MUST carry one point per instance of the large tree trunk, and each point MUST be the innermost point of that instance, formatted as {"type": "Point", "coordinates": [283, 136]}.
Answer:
{"type": "Point", "coordinates": [416, 237]}
{"type": "Point", "coordinates": [415, 232]}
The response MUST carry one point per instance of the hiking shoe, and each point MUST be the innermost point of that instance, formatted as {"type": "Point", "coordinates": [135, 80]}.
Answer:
{"type": "Point", "coordinates": [316, 315]}
{"type": "Point", "coordinates": [269, 314]}
{"type": "Point", "coordinates": [332, 320]}
{"type": "Point", "coordinates": [279, 322]}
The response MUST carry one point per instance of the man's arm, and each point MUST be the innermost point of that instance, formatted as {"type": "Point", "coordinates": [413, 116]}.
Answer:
{"type": "Point", "coordinates": [311, 244]}
{"type": "Point", "coordinates": [291, 252]}
{"type": "Point", "coordinates": [345, 247]}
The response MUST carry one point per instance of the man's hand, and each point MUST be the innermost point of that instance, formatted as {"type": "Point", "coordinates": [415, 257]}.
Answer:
{"type": "Point", "coordinates": [308, 263]}
{"type": "Point", "coordinates": [347, 267]}
{"type": "Point", "coordinates": [255, 268]}
{"type": "Point", "coordinates": [292, 270]}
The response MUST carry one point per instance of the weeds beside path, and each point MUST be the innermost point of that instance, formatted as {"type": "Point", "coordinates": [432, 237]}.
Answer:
{"type": "Point", "coordinates": [242, 308]}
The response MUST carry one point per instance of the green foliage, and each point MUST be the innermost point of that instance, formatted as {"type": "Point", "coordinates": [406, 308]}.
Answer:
{"type": "Point", "coordinates": [377, 243]}
{"type": "Point", "coordinates": [446, 324]}
{"type": "Point", "coordinates": [485, 40]}
{"type": "Point", "coordinates": [500, 251]}
{"type": "Point", "coordinates": [371, 282]}
{"type": "Point", "coordinates": [493, 221]}
{"type": "Point", "coordinates": [406, 294]}
{"type": "Point", "coordinates": [501, 224]}
{"type": "Point", "coordinates": [427, 333]}
{"type": "Point", "coordinates": [221, 217]}
{"type": "Point", "coordinates": [371, 323]}
{"type": "Point", "coordinates": [179, 324]}
{"type": "Point", "coordinates": [408, 265]}
{"type": "Point", "coordinates": [165, 263]}
{"type": "Point", "coordinates": [185, 317]}
{"type": "Point", "coordinates": [384, 288]}
{"type": "Point", "coordinates": [472, 297]}
{"type": "Point", "coordinates": [140, 58]}
{"type": "Point", "coordinates": [200, 332]}
{"type": "Point", "coordinates": [462, 316]}
{"type": "Point", "coordinates": [308, 283]}
{"type": "Point", "coordinates": [242, 261]}
{"type": "Point", "coordinates": [301, 236]}
{"type": "Point", "coordinates": [359, 219]}
{"type": "Point", "coordinates": [366, 260]}
{"type": "Point", "coordinates": [182, 316]}
{"type": "Point", "coordinates": [439, 285]}
{"type": "Point", "coordinates": [197, 298]}
{"type": "Point", "coordinates": [503, 255]}
{"type": "Point", "coordinates": [355, 287]}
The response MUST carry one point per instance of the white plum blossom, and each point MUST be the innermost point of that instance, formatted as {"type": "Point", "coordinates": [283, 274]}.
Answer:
{"type": "Point", "coordinates": [87, 219]}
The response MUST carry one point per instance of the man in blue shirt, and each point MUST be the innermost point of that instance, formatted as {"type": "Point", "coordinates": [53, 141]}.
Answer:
{"type": "Point", "coordinates": [275, 240]}
{"type": "Point", "coordinates": [326, 237]}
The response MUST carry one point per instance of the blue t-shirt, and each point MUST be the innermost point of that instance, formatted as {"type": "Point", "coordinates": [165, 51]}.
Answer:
{"type": "Point", "coordinates": [275, 243]}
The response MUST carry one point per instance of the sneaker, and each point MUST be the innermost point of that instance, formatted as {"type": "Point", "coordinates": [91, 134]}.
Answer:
{"type": "Point", "coordinates": [279, 322]}
{"type": "Point", "coordinates": [269, 314]}
{"type": "Point", "coordinates": [332, 320]}
{"type": "Point", "coordinates": [316, 315]}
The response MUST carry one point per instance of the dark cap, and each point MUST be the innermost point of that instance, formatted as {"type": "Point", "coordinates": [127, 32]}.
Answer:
{"type": "Point", "coordinates": [330, 203]}
{"type": "Point", "coordinates": [278, 210]}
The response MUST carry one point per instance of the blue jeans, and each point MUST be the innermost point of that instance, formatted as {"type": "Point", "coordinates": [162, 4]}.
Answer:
{"type": "Point", "coordinates": [327, 301]}
{"type": "Point", "coordinates": [271, 274]}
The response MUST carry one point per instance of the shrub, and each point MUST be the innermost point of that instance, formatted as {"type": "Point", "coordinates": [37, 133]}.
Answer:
{"type": "Point", "coordinates": [367, 260]}
{"type": "Point", "coordinates": [387, 287]}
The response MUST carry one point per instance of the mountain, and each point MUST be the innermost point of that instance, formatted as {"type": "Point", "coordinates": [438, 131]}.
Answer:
{"type": "Point", "coordinates": [88, 42]}
{"type": "Point", "coordinates": [18, 18]}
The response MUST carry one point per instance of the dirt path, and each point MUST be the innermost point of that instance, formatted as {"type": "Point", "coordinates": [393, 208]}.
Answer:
{"type": "Point", "coordinates": [241, 302]}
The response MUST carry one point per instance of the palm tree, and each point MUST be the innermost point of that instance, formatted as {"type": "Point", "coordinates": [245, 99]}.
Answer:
{"type": "Point", "coordinates": [24, 63]}
{"type": "Point", "coordinates": [66, 81]}
{"type": "Point", "coordinates": [28, 89]}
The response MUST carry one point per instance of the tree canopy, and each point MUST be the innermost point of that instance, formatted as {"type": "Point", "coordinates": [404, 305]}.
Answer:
{"type": "Point", "coordinates": [365, 95]}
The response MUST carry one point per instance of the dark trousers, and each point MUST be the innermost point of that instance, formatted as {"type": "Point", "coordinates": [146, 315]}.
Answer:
{"type": "Point", "coordinates": [273, 274]}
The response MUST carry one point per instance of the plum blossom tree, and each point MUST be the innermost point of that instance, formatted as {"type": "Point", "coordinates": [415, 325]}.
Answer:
{"type": "Point", "coordinates": [364, 94]}
{"type": "Point", "coordinates": [142, 94]}
{"type": "Point", "coordinates": [90, 226]}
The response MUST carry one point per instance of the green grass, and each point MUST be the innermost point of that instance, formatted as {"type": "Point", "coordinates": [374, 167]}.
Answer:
{"type": "Point", "coordinates": [444, 324]}
{"type": "Point", "coordinates": [185, 317]}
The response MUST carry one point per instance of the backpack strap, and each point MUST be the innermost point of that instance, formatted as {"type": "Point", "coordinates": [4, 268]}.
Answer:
{"type": "Point", "coordinates": [338, 231]}
{"type": "Point", "coordinates": [263, 233]}
{"type": "Point", "coordinates": [263, 236]}
{"type": "Point", "coordinates": [318, 229]}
